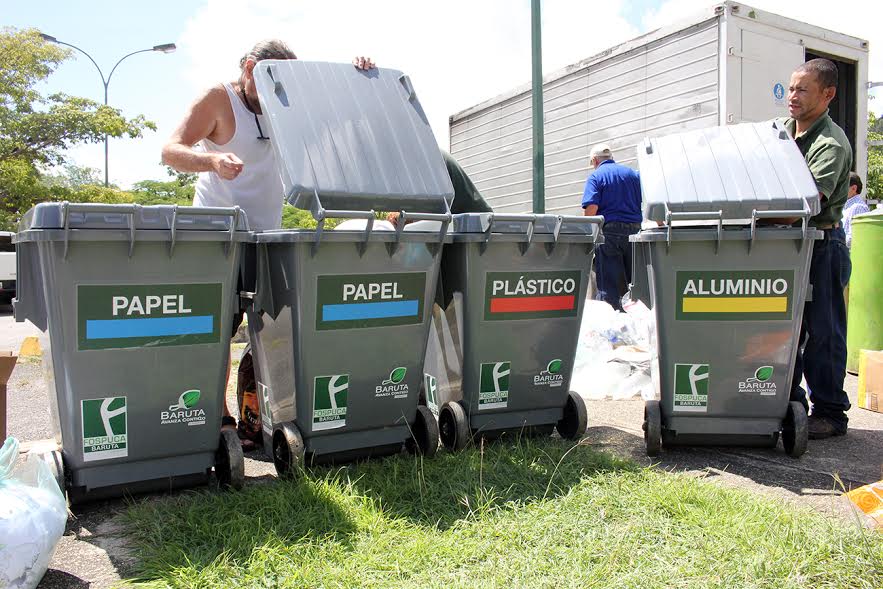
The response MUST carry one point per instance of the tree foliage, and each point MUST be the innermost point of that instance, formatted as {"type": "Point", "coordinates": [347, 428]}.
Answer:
{"type": "Point", "coordinates": [874, 185]}
{"type": "Point", "coordinates": [36, 130]}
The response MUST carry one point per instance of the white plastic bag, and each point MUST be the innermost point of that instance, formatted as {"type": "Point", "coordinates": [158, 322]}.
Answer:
{"type": "Point", "coordinates": [614, 352]}
{"type": "Point", "coordinates": [33, 513]}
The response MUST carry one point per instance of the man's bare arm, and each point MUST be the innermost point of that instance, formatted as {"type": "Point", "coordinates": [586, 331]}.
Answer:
{"type": "Point", "coordinates": [590, 210]}
{"type": "Point", "coordinates": [199, 123]}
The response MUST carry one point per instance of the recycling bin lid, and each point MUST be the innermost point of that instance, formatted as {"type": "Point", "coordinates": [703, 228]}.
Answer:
{"type": "Point", "coordinates": [350, 139]}
{"type": "Point", "coordinates": [51, 215]}
{"type": "Point", "coordinates": [734, 169]}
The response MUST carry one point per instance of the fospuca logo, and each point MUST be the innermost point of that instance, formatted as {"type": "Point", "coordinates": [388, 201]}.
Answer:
{"type": "Point", "coordinates": [329, 401]}
{"type": "Point", "coordinates": [266, 421]}
{"type": "Point", "coordinates": [430, 387]}
{"type": "Point", "coordinates": [185, 410]}
{"type": "Point", "coordinates": [691, 387]}
{"type": "Point", "coordinates": [394, 386]}
{"type": "Point", "coordinates": [493, 387]}
{"type": "Point", "coordinates": [105, 424]}
{"type": "Point", "coordinates": [761, 383]}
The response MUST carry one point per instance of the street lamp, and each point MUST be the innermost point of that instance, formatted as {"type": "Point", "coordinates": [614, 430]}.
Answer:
{"type": "Point", "coordinates": [164, 48]}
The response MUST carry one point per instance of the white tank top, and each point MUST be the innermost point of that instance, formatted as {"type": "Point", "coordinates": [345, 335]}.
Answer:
{"type": "Point", "coordinates": [258, 188]}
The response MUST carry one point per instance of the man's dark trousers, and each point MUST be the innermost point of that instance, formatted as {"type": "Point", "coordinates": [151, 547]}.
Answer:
{"type": "Point", "coordinates": [822, 359]}
{"type": "Point", "coordinates": [613, 262]}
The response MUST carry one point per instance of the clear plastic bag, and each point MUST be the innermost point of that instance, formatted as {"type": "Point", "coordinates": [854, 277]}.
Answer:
{"type": "Point", "coordinates": [33, 513]}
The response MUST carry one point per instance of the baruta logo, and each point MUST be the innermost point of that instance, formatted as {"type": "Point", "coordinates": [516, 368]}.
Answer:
{"type": "Point", "coordinates": [759, 383]}
{"type": "Point", "coordinates": [185, 410]}
{"type": "Point", "coordinates": [394, 385]}
{"type": "Point", "coordinates": [493, 387]}
{"type": "Point", "coordinates": [551, 376]}
{"type": "Point", "coordinates": [329, 401]}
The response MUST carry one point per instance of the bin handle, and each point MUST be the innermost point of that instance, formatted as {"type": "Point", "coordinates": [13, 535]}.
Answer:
{"type": "Point", "coordinates": [584, 220]}
{"type": "Point", "coordinates": [444, 218]}
{"type": "Point", "coordinates": [235, 213]}
{"type": "Point", "coordinates": [803, 215]}
{"type": "Point", "coordinates": [694, 216]}
{"type": "Point", "coordinates": [74, 207]}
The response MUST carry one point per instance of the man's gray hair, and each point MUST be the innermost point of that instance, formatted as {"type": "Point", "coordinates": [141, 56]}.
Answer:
{"type": "Point", "coordinates": [268, 49]}
{"type": "Point", "coordinates": [823, 69]}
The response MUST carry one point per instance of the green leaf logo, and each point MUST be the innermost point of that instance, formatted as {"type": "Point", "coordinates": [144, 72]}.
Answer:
{"type": "Point", "coordinates": [554, 367]}
{"type": "Point", "coordinates": [764, 373]}
{"type": "Point", "coordinates": [186, 401]}
{"type": "Point", "coordinates": [396, 376]}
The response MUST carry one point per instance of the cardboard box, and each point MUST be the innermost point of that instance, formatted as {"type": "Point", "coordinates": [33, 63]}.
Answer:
{"type": "Point", "coordinates": [7, 363]}
{"type": "Point", "coordinates": [870, 380]}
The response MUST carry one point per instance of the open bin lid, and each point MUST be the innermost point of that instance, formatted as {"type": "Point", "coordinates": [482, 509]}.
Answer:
{"type": "Point", "coordinates": [735, 169]}
{"type": "Point", "coordinates": [58, 215]}
{"type": "Point", "coordinates": [357, 139]}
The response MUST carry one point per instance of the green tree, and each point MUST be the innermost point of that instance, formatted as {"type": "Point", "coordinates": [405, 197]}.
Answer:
{"type": "Point", "coordinates": [36, 130]}
{"type": "Point", "coordinates": [874, 185]}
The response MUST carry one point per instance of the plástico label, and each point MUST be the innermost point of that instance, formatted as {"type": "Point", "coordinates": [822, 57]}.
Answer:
{"type": "Point", "coordinates": [138, 315]}
{"type": "Point", "coordinates": [737, 295]}
{"type": "Point", "coordinates": [531, 295]}
{"type": "Point", "coordinates": [352, 301]}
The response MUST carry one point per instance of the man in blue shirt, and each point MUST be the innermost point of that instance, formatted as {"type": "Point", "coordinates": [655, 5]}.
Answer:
{"type": "Point", "coordinates": [855, 205]}
{"type": "Point", "coordinates": [614, 191]}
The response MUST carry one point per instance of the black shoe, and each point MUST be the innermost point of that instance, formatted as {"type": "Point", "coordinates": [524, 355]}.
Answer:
{"type": "Point", "coordinates": [822, 427]}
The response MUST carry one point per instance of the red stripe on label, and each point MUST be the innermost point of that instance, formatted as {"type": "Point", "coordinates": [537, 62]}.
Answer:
{"type": "Point", "coordinates": [531, 304]}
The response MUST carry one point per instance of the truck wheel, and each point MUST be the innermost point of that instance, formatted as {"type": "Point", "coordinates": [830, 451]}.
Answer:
{"type": "Point", "coordinates": [795, 432]}
{"type": "Point", "coordinates": [573, 424]}
{"type": "Point", "coordinates": [229, 461]}
{"type": "Point", "coordinates": [453, 425]}
{"type": "Point", "coordinates": [424, 433]}
{"type": "Point", "coordinates": [652, 427]}
{"type": "Point", "coordinates": [288, 449]}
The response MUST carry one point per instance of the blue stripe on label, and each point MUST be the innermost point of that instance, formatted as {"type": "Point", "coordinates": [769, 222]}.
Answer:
{"type": "Point", "coordinates": [369, 310]}
{"type": "Point", "coordinates": [160, 326]}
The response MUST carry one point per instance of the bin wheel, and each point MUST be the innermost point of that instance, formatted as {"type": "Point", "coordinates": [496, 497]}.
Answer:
{"type": "Point", "coordinates": [229, 461]}
{"type": "Point", "coordinates": [53, 460]}
{"type": "Point", "coordinates": [453, 425]}
{"type": "Point", "coordinates": [424, 433]}
{"type": "Point", "coordinates": [575, 420]}
{"type": "Point", "coordinates": [288, 449]}
{"type": "Point", "coordinates": [795, 432]}
{"type": "Point", "coordinates": [652, 427]}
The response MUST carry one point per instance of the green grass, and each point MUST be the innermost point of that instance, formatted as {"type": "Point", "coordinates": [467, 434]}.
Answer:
{"type": "Point", "coordinates": [522, 513]}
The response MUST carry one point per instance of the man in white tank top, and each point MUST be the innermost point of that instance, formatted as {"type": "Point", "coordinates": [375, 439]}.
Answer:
{"type": "Point", "coordinates": [223, 138]}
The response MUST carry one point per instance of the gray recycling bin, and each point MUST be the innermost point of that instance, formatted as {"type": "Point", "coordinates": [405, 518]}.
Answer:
{"type": "Point", "coordinates": [339, 318]}
{"type": "Point", "coordinates": [135, 304]}
{"type": "Point", "coordinates": [506, 324]}
{"type": "Point", "coordinates": [726, 289]}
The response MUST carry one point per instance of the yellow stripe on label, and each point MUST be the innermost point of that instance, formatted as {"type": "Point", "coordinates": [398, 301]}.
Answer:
{"type": "Point", "coordinates": [735, 304]}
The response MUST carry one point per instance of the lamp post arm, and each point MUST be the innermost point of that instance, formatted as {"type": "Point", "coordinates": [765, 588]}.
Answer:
{"type": "Point", "coordinates": [107, 83]}
{"type": "Point", "coordinates": [100, 73]}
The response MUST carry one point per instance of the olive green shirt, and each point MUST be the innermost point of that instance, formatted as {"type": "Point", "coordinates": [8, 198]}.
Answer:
{"type": "Point", "coordinates": [467, 198]}
{"type": "Point", "coordinates": [829, 157]}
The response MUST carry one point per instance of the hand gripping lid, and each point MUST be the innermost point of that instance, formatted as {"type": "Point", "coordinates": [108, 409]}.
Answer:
{"type": "Point", "coordinates": [738, 170]}
{"type": "Point", "coordinates": [350, 139]}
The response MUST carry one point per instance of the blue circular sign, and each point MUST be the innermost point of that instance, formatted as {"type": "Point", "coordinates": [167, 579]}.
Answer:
{"type": "Point", "coordinates": [779, 91]}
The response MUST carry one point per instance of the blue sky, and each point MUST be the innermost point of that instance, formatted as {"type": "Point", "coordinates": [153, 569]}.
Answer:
{"type": "Point", "coordinates": [457, 52]}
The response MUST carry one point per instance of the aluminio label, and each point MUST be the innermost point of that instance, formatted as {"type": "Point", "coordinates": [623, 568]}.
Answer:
{"type": "Point", "coordinates": [735, 295]}
{"type": "Point", "coordinates": [134, 316]}
{"type": "Point", "coordinates": [531, 295]}
{"type": "Point", "coordinates": [369, 300]}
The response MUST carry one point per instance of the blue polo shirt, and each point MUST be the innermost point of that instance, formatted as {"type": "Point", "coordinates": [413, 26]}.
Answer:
{"type": "Point", "coordinates": [616, 190]}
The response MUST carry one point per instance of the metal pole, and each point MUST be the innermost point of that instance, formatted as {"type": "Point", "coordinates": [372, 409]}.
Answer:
{"type": "Point", "coordinates": [106, 167]}
{"type": "Point", "coordinates": [539, 173]}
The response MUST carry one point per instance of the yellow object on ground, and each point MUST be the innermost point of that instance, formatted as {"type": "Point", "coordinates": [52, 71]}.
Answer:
{"type": "Point", "coordinates": [870, 500]}
{"type": "Point", "coordinates": [870, 380]}
{"type": "Point", "coordinates": [30, 347]}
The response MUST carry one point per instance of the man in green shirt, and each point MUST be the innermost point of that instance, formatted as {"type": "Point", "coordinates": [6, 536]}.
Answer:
{"type": "Point", "coordinates": [829, 157]}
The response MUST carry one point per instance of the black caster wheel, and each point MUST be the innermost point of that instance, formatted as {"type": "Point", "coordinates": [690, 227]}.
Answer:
{"type": "Point", "coordinates": [652, 428]}
{"type": "Point", "coordinates": [424, 433]}
{"type": "Point", "coordinates": [229, 461]}
{"type": "Point", "coordinates": [288, 449]}
{"type": "Point", "coordinates": [795, 432]}
{"type": "Point", "coordinates": [573, 424]}
{"type": "Point", "coordinates": [453, 425]}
